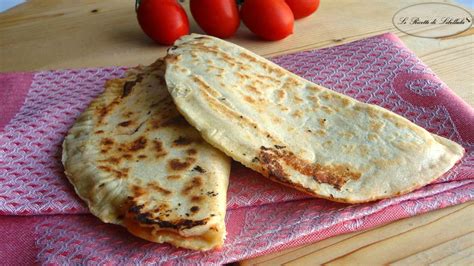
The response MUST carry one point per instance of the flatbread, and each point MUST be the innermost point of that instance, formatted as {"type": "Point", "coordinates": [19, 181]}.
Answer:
{"type": "Point", "coordinates": [296, 132]}
{"type": "Point", "coordinates": [137, 163]}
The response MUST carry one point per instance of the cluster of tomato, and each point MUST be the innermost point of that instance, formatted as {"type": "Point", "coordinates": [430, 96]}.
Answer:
{"type": "Point", "coordinates": [165, 20]}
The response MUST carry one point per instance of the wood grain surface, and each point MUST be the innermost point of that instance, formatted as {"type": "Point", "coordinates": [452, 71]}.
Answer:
{"type": "Point", "coordinates": [425, 239]}
{"type": "Point", "coordinates": [52, 34]}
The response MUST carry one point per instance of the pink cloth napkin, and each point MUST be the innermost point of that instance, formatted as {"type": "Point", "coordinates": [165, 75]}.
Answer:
{"type": "Point", "coordinates": [44, 221]}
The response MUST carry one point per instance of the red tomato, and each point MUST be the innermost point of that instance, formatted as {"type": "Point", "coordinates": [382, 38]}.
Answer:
{"type": "Point", "coordinates": [270, 19]}
{"type": "Point", "coordinates": [302, 8]}
{"type": "Point", "coordinates": [219, 18]}
{"type": "Point", "coordinates": [164, 21]}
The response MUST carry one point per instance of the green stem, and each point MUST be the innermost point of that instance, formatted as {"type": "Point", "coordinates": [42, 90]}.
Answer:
{"type": "Point", "coordinates": [137, 4]}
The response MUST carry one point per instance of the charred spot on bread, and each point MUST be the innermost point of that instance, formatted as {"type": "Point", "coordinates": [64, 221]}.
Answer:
{"type": "Point", "coordinates": [125, 123]}
{"type": "Point", "coordinates": [335, 175]}
{"type": "Point", "coordinates": [199, 169]}
{"type": "Point", "coordinates": [182, 141]}
{"type": "Point", "coordinates": [128, 86]}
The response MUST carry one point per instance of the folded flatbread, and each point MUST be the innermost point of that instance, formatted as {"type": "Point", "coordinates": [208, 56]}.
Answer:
{"type": "Point", "coordinates": [299, 133]}
{"type": "Point", "coordinates": [137, 163]}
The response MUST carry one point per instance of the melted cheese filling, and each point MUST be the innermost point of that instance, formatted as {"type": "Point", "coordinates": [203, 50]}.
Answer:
{"type": "Point", "coordinates": [208, 240]}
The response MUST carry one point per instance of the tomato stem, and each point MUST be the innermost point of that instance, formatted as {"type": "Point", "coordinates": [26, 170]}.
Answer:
{"type": "Point", "coordinates": [137, 4]}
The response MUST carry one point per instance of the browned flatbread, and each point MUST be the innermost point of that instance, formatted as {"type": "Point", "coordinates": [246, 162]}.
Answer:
{"type": "Point", "coordinates": [299, 133]}
{"type": "Point", "coordinates": [139, 164]}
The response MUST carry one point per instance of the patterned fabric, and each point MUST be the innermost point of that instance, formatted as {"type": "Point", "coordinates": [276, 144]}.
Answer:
{"type": "Point", "coordinates": [262, 216]}
{"type": "Point", "coordinates": [251, 231]}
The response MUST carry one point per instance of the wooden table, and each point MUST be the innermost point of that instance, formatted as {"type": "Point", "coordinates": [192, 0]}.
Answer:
{"type": "Point", "coordinates": [52, 34]}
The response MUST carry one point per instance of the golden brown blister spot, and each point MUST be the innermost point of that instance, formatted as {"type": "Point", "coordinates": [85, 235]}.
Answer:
{"type": "Point", "coordinates": [138, 191]}
{"type": "Point", "coordinates": [249, 99]}
{"type": "Point", "coordinates": [399, 123]}
{"type": "Point", "coordinates": [387, 116]}
{"type": "Point", "coordinates": [128, 114]}
{"type": "Point", "coordinates": [242, 76]}
{"type": "Point", "coordinates": [326, 96]}
{"type": "Point", "coordinates": [195, 183]}
{"type": "Point", "coordinates": [313, 88]}
{"type": "Point", "coordinates": [253, 89]}
{"type": "Point", "coordinates": [125, 123]}
{"type": "Point", "coordinates": [99, 132]}
{"type": "Point", "coordinates": [358, 108]}
{"type": "Point", "coordinates": [297, 113]}
{"type": "Point", "coordinates": [257, 83]}
{"type": "Point", "coordinates": [248, 57]}
{"type": "Point", "coordinates": [216, 105]}
{"type": "Point", "coordinates": [156, 187]}
{"type": "Point", "coordinates": [283, 107]}
{"type": "Point", "coordinates": [244, 67]}
{"type": "Point", "coordinates": [363, 150]}
{"type": "Point", "coordinates": [376, 126]}
{"type": "Point", "coordinates": [181, 69]}
{"type": "Point", "coordinates": [372, 112]}
{"type": "Point", "coordinates": [405, 146]}
{"type": "Point", "coordinates": [346, 134]}
{"type": "Point", "coordinates": [215, 50]}
{"type": "Point", "coordinates": [218, 70]}
{"type": "Point", "coordinates": [280, 94]}
{"type": "Point", "coordinates": [191, 152]}
{"type": "Point", "coordinates": [120, 173]}
{"type": "Point", "coordinates": [172, 59]}
{"type": "Point", "coordinates": [372, 137]}
{"type": "Point", "coordinates": [349, 148]}
{"type": "Point", "coordinates": [205, 87]}
{"type": "Point", "coordinates": [136, 145]}
{"type": "Point", "coordinates": [327, 109]}
{"type": "Point", "coordinates": [384, 162]}
{"type": "Point", "coordinates": [290, 83]}
{"type": "Point", "coordinates": [327, 144]}
{"type": "Point", "coordinates": [107, 142]}
{"type": "Point", "coordinates": [269, 78]}
{"type": "Point", "coordinates": [320, 132]}
{"type": "Point", "coordinates": [173, 177]}
{"type": "Point", "coordinates": [142, 156]}
{"type": "Point", "coordinates": [111, 160]}
{"type": "Point", "coordinates": [197, 199]}
{"type": "Point", "coordinates": [314, 100]}
{"type": "Point", "coordinates": [158, 149]}
{"type": "Point", "coordinates": [345, 102]}
{"type": "Point", "coordinates": [179, 165]}
{"type": "Point", "coordinates": [103, 111]}
{"type": "Point", "coordinates": [106, 145]}
{"type": "Point", "coordinates": [276, 120]}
